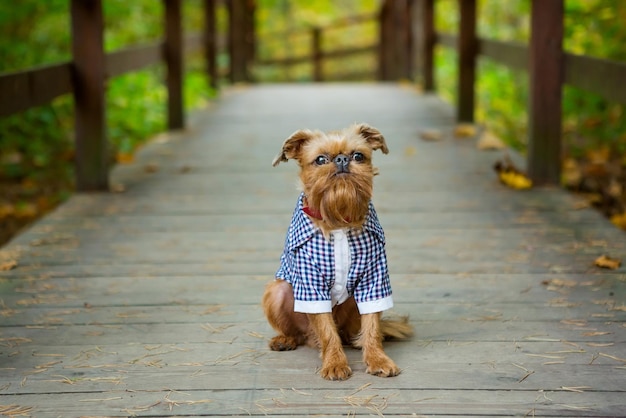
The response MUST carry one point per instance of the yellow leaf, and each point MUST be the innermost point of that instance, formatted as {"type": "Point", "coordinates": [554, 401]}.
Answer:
{"type": "Point", "coordinates": [431, 135]}
{"type": "Point", "coordinates": [489, 141]}
{"type": "Point", "coordinates": [619, 220]}
{"type": "Point", "coordinates": [464, 130]}
{"type": "Point", "coordinates": [608, 263]}
{"type": "Point", "coordinates": [124, 157]}
{"type": "Point", "coordinates": [515, 180]}
{"type": "Point", "coordinates": [8, 265]}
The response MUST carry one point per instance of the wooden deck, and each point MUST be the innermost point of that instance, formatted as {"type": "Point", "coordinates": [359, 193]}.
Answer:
{"type": "Point", "coordinates": [145, 302]}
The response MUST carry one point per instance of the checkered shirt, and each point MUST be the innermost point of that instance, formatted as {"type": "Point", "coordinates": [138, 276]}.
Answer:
{"type": "Point", "coordinates": [308, 264]}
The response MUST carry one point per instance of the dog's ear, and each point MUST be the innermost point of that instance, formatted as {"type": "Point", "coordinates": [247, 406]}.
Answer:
{"type": "Point", "coordinates": [374, 138]}
{"type": "Point", "coordinates": [292, 146]}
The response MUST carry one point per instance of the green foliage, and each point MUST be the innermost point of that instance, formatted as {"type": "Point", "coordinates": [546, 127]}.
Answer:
{"type": "Point", "coordinates": [32, 33]}
{"type": "Point", "coordinates": [284, 30]}
{"type": "Point", "coordinates": [592, 27]}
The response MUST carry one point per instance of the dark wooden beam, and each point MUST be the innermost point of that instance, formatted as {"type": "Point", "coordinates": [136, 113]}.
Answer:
{"type": "Point", "coordinates": [25, 89]}
{"type": "Point", "coordinates": [603, 77]}
{"type": "Point", "coordinates": [132, 59]}
{"type": "Point", "coordinates": [467, 61]}
{"type": "Point", "coordinates": [546, 78]}
{"type": "Point", "coordinates": [210, 42]}
{"type": "Point", "coordinates": [89, 100]}
{"type": "Point", "coordinates": [429, 39]}
{"type": "Point", "coordinates": [316, 48]}
{"type": "Point", "coordinates": [238, 47]}
{"type": "Point", "coordinates": [173, 55]}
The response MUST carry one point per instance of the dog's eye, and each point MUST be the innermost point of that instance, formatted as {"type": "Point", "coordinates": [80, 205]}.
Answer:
{"type": "Point", "coordinates": [321, 160]}
{"type": "Point", "coordinates": [358, 157]}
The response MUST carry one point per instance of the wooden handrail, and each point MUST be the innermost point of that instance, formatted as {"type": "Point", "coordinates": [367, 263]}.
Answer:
{"type": "Point", "coordinates": [22, 90]}
{"type": "Point", "coordinates": [600, 76]}
{"type": "Point", "coordinates": [317, 55]}
{"type": "Point", "coordinates": [86, 74]}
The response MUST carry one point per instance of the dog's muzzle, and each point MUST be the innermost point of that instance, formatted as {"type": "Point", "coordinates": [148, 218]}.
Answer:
{"type": "Point", "coordinates": [342, 162]}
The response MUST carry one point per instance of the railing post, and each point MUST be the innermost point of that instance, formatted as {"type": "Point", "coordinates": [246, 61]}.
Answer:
{"type": "Point", "coordinates": [316, 39]}
{"type": "Point", "coordinates": [395, 43]}
{"type": "Point", "coordinates": [92, 171]}
{"type": "Point", "coordinates": [467, 60]}
{"type": "Point", "coordinates": [173, 55]}
{"type": "Point", "coordinates": [546, 79]}
{"type": "Point", "coordinates": [238, 38]}
{"type": "Point", "coordinates": [425, 42]}
{"type": "Point", "coordinates": [210, 42]}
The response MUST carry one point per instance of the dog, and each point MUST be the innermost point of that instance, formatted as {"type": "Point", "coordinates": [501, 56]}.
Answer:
{"type": "Point", "coordinates": [333, 281]}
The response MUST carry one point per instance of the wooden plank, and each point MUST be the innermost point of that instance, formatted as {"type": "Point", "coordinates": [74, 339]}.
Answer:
{"type": "Point", "coordinates": [238, 44]}
{"type": "Point", "coordinates": [349, 400]}
{"type": "Point", "coordinates": [467, 48]}
{"type": "Point", "coordinates": [429, 41]}
{"type": "Point", "coordinates": [173, 55]}
{"type": "Point", "coordinates": [546, 78]}
{"type": "Point", "coordinates": [133, 59]}
{"type": "Point", "coordinates": [192, 42]}
{"type": "Point", "coordinates": [511, 54]}
{"type": "Point", "coordinates": [122, 301]}
{"type": "Point", "coordinates": [89, 101]}
{"type": "Point", "coordinates": [26, 89]}
{"type": "Point", "coordinates": [210, 41]}
{"type": "Point", "coordinates": [316, 54]}
{"type": "Point", "coordinates": [600, 76]}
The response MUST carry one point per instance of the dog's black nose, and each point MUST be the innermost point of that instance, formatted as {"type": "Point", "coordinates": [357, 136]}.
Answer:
{"type": "Point", "coordinates": [342, 161]}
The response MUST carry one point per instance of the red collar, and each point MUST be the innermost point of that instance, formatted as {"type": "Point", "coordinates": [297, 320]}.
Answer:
{"type": "Point", "coordinates": [312, 212]}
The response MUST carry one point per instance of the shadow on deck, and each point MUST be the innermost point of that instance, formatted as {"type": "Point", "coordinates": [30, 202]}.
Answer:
{"type": "Point", "coordinates": [145, 302]}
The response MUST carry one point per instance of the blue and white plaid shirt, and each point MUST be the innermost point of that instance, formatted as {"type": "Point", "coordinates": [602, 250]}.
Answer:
{"type": "Point", "coordinates": [308, 263]}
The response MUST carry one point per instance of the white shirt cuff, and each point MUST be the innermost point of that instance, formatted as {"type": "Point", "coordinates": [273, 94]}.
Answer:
{"type": "Point", "coordinates": [374, 306]}
{"type": "Point", "coordinates": [312, 307]}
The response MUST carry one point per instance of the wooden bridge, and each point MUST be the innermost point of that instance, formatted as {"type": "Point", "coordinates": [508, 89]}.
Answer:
{"type": "Point", "coordinates": [145, 301]}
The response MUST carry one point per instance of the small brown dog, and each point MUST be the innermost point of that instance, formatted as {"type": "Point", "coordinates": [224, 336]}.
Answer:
{"type": "Point", "coordinates": [333, 282]}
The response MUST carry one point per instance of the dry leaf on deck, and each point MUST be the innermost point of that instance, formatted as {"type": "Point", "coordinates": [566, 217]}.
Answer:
{"type": "Point", "coordinates": [465, 130]}
{"type": "Point", "coordinates": [619, 220]}
{"type": "Point", "coordinates": [409, 151]}
{"type": "Point", "coordinates": [151, 168]}
{"type": "Point", "coordinates": [431, 135]}
{"type": "Point", "coordinates": [489, 141]}
{"type": "Point", "coordinates": [510, 175]}
{"type": "Point", "coordinates": [8, 265]}
{"type": "Point", "coordinates": [607, 263]}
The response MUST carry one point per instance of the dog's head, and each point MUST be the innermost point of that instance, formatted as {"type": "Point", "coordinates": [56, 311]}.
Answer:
{"type": "Point", "coordinates": [336, 172]}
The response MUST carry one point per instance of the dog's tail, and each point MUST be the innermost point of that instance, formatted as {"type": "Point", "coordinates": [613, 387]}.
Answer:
{"type": "Point", "coordinates": [396, 327]}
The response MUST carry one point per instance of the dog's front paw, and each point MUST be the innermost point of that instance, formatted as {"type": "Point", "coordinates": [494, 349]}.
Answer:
{"type": "Point", "coordinates": [336, 371]}
{"type": "Point", "coordinates": [382, 366]}
{"type": "Point", "coordinates": [283, 343]}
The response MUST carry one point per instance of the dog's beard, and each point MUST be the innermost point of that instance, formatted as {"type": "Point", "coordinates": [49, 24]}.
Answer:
{"type": "Point", "coordinates": [342, 200]}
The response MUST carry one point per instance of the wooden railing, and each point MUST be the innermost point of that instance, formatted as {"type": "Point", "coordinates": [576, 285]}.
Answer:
{"type": "Point", "coordinates": [317, 56]}
{"type": "Point", "coordinates": [549, 68]}
{"type": "Point", "coordinates": [85, 77]}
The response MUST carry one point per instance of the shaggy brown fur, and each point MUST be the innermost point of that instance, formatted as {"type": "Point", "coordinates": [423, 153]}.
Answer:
{"type": "Point", "coordinates": [341, 197]}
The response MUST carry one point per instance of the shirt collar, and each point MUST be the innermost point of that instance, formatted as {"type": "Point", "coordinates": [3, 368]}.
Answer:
{"type": "Point", "coordinates": [302, 228]}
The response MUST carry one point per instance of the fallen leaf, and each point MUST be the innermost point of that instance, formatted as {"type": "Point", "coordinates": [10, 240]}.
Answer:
{"type": "Point", "coordinates": [619, 220]}
{"type": "Point", "coordinates": [572, 174]}
{"type": "Point", "coordinates": [431, 135]}
{"type": "Point", "coordinates": [510, 175]}
{"type": "Point", "coordinates": [125, 157]}
{"type": "Point", "coordinates": [8, 265]}
{"type": "Point", "coordinates": [151, 168]}
{"type": "Point", "coordinates": [515, 180]}
{"type": "Point", "coordinates": [118, 188]}
{"type": "Point", "coordinates": [465, 130]}
{"type": "Point", "coordinates": [607, 263]}
{"type": "Point", "coordinates": [409, 151]}
{"type": "Point", "coordinates": [489, 141]}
